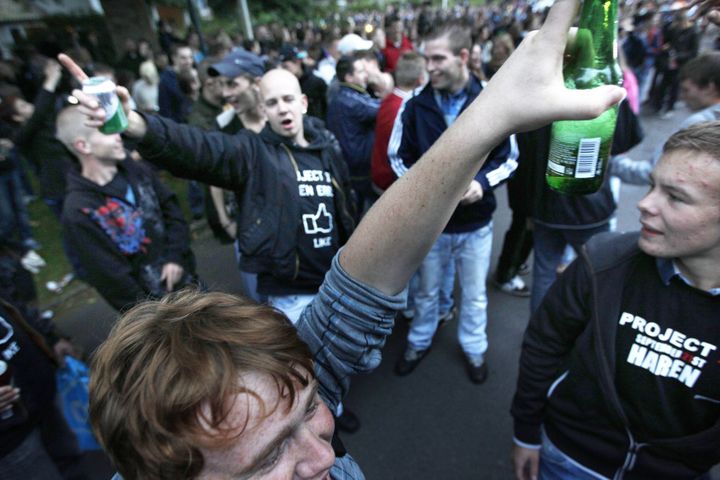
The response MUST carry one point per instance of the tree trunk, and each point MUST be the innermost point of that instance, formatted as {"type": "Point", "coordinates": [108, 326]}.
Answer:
{"type": "Point", "coordinates": [129, 19]}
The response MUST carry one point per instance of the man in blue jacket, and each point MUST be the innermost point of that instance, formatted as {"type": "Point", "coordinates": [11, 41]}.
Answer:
{"type": "Point", "coordinates": [467, 238]}
{"type": "Point", "coordinates": [170, 98]}
{"type": "Point", "coordinates": [351, 117]}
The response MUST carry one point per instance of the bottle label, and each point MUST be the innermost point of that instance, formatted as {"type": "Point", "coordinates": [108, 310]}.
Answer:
{"type": "Point", "coordinates": [587, 158]}
{"type": "Point", "coordinates": [578, 160]}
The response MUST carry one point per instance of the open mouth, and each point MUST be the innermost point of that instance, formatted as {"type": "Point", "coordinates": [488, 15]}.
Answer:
{"type": "Point", "coordinates": [646, 230]}
{"type": "Point", "coordinates": [286, 123]}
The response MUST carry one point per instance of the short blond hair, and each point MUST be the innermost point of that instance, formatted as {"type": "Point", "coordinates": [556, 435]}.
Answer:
{"type": "Point", "coordinates": [702, 137]}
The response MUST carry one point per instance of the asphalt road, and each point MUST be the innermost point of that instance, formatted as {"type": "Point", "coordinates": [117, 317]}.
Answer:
{"type": "Point", "coordinates": [433, 424]}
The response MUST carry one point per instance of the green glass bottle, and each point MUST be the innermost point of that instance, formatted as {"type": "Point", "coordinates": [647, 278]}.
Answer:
{"type": "Point", "coordinates": [579, 149]}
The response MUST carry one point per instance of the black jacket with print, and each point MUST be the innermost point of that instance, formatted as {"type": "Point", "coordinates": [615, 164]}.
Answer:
{"type": "Point", "coordinates": [261, 172]}
{"type": "Point", "coordinates": [566, 382]}
{"type": "Point", "coordinates": [123, 246]}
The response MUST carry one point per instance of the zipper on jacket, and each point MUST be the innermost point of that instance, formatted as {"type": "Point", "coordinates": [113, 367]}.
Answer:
{"type": "Point", "coordinates": [297, 173]}
{"type": "Point", "coordinates": [297, 265]}
{"type": "Point", "coordinates": [630, 457]}
{"type": "Point", "coordinates": [344, 209]}
{"type": "Point", "coordinates": [634, 447]}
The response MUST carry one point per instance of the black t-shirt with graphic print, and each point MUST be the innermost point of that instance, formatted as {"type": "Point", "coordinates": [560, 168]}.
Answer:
{"type": "Point", "coordinates": [32, 373]}
{"type": "Point", "coordinates": [667, 358]}
{"type": "Point", "coordinates": [317, 234]}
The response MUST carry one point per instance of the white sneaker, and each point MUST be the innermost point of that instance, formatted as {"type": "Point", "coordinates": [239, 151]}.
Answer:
{"type": "Point", "coordinates": [515, 286]}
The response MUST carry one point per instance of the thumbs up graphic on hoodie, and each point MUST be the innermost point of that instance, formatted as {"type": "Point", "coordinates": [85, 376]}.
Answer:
{"type": "Point", "coordinates": [319, 222]}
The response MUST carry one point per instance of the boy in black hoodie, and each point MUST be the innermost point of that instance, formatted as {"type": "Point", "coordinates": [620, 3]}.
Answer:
{"type": "Point", "coordinates": [126, 226]}
{"type": "Point", "coordinates": [620, 365]}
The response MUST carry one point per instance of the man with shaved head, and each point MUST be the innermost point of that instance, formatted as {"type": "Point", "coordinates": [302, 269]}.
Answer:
{"type": "Point", "coordinates": [290, 180]}
{"type": "Point", "coordinates": [125, 225]}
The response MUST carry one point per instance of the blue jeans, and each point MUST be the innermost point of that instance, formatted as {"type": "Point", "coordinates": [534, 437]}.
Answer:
{"type": "Point", "coordinates": [248, 280]}
{"type": "Point", "coordinates": [549, 245]}
{"type": "Point", "coordinates": [48, 452]}
{"type": "Point", "coordinates": [13, 213]}
{"type": "Point", "coordinates": [555, 465]}
{"type": "Point", "coordinates": [470, 252]}
{"type": "Point", "coordinates": [446, 292]}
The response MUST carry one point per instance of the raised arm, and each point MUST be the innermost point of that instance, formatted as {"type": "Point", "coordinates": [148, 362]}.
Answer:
{"type": "Point", "coordinates": [526, 93]}
{"type": "Point", "coordinates": [187, 152]}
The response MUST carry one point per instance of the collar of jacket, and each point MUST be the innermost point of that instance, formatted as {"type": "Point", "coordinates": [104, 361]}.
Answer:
{"type": "Point", "coordinates": [427, 95]}
{"type": "Point", "coordinates": [75, 180]}
{"type": "Point", "coordinates": [314, 134]}
{"type": "Point", "coordinates": [354, 87]}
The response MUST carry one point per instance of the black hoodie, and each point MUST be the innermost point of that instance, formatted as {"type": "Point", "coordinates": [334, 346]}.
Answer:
{"type": "Point", "coordinates": [124, 242]}
{"type": "Point", "coordinates": [274, 182]}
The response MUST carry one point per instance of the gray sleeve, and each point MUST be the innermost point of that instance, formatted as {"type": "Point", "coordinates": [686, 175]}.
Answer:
{"type": "Point", "coordinates": [636, 172]}
{"type": "Point", "coordinates": [345, 327]}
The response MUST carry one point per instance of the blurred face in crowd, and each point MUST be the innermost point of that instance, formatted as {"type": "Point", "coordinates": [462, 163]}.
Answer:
{"type": "Point", "coordinates": [293, 66]}
{"type": "Point", "coordinates": [697, 97]}
{"type": "Point", "coordinates": [130, 45]}
{"type": "Point", "coordinates": [212, 90]}
{"type": "Point", "coordinates": [476, 58]}
{"type": "Point", "coordinates": [332, 49]}
{"type": "Point", "coordinates": [144, 49]}
{"type": "Point", "coordinates": [233, 91]}
{"type": "Point", "coordinates": [193, 84]}
{"type": "Point", "coordinates": [502, 48]}
{"type": "Point", "coordinates": [359, 75]}
{"type": "Point", "coordinates": [395, 31]}
{"type": "Point", "coordinates": [278, 440]}
{"type": "Point", "coordinates": [183, 59]}
{"type": "Point", "coordinates": [23, 110]}
{"type": "Point", "coordinates": [680, 215]}
{"type": "Point", "coordinates": [448, 72]}
{"type": "Point", "coordinates": [284, 103]}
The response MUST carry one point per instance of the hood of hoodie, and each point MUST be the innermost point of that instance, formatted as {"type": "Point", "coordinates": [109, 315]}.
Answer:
{"type": "Point", "coordinates": [77, 183]}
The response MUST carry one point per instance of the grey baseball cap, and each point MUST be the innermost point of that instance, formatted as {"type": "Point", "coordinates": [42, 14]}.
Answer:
{"type": "Point", "coordinates": [236, 63]}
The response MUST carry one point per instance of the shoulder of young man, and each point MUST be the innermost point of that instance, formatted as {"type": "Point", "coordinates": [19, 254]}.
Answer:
{"type": "Point", "coordinates": [609, 249]}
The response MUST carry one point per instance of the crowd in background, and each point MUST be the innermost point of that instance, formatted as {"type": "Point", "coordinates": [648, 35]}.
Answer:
{"type": "Point", "coordinates": [358, 73]}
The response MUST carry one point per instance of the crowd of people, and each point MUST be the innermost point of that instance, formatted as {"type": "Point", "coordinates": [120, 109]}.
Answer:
{"type": "Point", "coordinates": [353, 166]}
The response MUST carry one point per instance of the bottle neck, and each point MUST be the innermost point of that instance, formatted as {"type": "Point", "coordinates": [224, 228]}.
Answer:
{"type": "Point", "coordinates": [600, 19]}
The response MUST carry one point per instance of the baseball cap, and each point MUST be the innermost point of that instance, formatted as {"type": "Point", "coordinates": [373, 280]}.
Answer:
{"type": "Point", "coordinates": [288, 53]}
{"type": "Point", "coordinates": [236, 63]}
{"type": "Point", "coordinates": [352, 43]}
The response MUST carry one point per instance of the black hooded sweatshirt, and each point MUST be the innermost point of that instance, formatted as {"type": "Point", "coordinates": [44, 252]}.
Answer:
{"type": "Point", "coordinates": [125, 231]}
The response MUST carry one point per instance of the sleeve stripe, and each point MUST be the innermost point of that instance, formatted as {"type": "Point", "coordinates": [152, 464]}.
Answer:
{"type": "Point", "coordinates": [396, 163]}
{"type": "Point", "coordinates": [504, 170]}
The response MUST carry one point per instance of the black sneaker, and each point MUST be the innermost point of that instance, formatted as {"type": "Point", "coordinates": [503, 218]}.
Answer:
{"type": "Point", "coordinates": [410, 359]}
{"type": "Point", "coordinates": [348, 422]}
{"type": "Point", "coordinates": [477, 370]}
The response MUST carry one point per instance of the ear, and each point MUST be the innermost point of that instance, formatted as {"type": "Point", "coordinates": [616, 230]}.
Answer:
{"type": "Point", "coordinates": [304, 103]}
{"type": "Point", "coordinates": [464, 55]}
{"type": "Point", "coordinates": [82, 146]}
{"type": "Point", "coordinates": [714, 90]}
